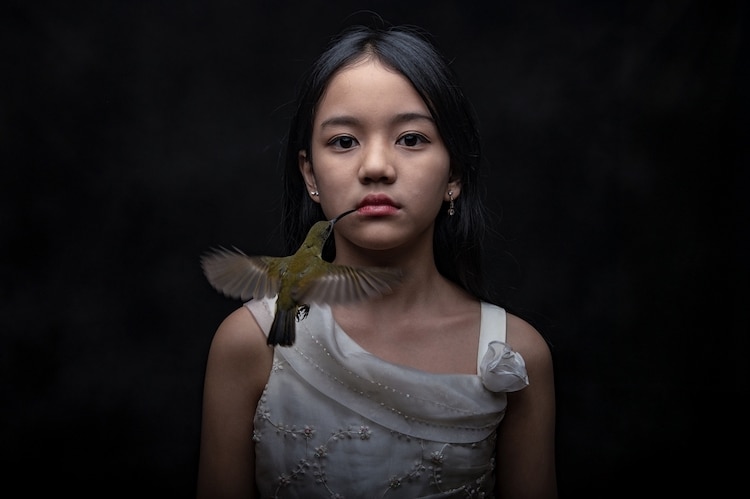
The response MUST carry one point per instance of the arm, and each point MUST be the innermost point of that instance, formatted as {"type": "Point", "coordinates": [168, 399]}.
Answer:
{"type": "Point", "coordinates": [526, 436]}
{"type": "Point", "coordinates": [239, 363]}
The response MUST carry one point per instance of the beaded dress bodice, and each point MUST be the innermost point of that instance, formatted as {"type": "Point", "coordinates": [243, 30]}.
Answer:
{"type": "Point", "coordinates": [335, 421]}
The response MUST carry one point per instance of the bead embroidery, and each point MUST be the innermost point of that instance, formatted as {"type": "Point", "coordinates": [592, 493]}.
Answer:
{"type": "Point", "coordinates": [315, 456]}
{"type": "Point", "coordinates": [313, 463]}
{"type": "Point", "coordinates": [381, 386]}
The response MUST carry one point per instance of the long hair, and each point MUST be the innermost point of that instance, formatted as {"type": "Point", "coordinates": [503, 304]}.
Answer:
{"type": "Point", "coordinates": [458, 238]}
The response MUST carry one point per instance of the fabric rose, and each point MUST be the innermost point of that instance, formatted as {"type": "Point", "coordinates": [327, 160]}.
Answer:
{"type": "Point", "coordinates": [502, 369]}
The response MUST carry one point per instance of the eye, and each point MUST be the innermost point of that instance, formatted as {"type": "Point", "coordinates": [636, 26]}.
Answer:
{"type": "Point", "coordinates": [343, 142]}
{"type": "Point", "coordinates": [412, 140]}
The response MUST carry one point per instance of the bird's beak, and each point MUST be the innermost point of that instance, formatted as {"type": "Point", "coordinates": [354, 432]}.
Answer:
{"type": "Point", "coordinates": [336, 219]}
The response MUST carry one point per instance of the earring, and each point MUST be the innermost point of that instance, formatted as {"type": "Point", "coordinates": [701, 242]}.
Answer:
{"type": "Point", "coordinates": [451, 207]}
{"type": "Point", "coordinates": [314, 193]}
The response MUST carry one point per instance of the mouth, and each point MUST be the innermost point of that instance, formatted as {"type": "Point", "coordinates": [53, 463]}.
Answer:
{"type": "Point", "coordinates": [377, 205]}
{"type": "Point", "coordinates": [376, 200]}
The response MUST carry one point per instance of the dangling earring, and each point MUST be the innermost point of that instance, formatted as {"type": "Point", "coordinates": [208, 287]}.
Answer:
{"type": "Point", "coordinates": [314, 193]}
{"type": "Point", "coordinates": [451, 207]}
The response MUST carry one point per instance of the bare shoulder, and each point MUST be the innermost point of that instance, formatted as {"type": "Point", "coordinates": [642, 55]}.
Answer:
{"type": "Point", "coordinates": [525, 339]}
{"type": "Point", "coordinates": [239, 330]}
{"type": "Point", "coordinates": [526, 437]}
{"type": "Point", "coordinates": [239, 364]}
{"type": "Point", "coordinates": [239, 356]}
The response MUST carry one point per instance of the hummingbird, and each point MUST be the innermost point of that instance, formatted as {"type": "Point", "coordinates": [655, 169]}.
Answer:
{"type": "Point", "coordinates": [297, 280]}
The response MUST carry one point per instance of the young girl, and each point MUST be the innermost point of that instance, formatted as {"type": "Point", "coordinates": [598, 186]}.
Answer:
{"type": "Point", "coordinates": [429, 391]}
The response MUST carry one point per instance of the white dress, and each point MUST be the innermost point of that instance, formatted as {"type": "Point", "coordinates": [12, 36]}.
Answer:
{"type": "Point", "coordinates": [335, 421]}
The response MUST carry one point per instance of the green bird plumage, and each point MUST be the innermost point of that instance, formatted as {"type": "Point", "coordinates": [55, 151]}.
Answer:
{"type": "Point", "coordinates": [297, 280]}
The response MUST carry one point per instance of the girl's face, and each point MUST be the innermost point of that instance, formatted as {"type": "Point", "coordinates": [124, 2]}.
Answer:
{"type": "Point", "coordinates": [375, 147]}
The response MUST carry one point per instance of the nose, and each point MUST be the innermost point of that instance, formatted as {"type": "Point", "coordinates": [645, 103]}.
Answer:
{"type": "Point", "coordinates": [376, 163]}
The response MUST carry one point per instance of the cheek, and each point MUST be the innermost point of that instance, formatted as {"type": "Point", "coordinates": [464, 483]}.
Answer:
{"type": "Point", "coordinates": [333, 185]}
{"type": "Point", "coordinates": [335, 192]}
{"type": "Point", "coordinates": [429, 196]}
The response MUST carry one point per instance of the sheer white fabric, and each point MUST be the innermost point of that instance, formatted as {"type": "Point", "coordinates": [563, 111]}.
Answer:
{"type": "Point", "coordinates": [336, 421]}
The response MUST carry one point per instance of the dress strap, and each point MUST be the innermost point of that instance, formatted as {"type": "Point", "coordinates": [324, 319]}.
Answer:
{"type": "Point", "coordinates": [263, 309]}
{"type": "Point", "coordinates": [491, 328]}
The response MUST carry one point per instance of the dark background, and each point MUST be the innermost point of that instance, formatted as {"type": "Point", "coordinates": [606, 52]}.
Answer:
{"type": "Point", "coordinates": [138, 134]}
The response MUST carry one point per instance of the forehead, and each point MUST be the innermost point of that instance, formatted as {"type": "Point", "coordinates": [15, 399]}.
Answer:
{"type": "Point", "coordinates": [369, 83]}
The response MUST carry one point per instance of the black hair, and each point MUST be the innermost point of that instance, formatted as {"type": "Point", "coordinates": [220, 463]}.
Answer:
{"type": "Point", "coordinates": [408, 50]}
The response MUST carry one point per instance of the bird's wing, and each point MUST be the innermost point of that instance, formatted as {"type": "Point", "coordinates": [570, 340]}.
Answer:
{"type": "Point", "coordinates": [343, 283]}
{"type": "Point", "coordinates": [238, 275]}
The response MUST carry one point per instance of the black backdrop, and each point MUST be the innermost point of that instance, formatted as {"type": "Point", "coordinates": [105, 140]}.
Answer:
{"type": "Point", "coordinates": [137, 134]}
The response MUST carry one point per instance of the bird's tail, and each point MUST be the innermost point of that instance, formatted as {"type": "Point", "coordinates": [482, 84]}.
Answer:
{"type": "Point", "coordinates": [283, 328]}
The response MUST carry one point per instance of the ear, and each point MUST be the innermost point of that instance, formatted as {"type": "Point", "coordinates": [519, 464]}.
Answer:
{"type": "Point", "coordinates": [454, 187]}
{"type": "Point", "coordinates": [306, 169]}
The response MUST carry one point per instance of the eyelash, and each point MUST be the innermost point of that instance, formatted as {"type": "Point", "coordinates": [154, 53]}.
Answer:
{"type": "Point", "coordinates": [336, 141]}
{"type": "Point", "coordinates": [421, 138]}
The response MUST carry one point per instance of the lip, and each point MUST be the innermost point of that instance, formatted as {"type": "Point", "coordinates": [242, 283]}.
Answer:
{"type": "Point", "coordinates": [377, 205]}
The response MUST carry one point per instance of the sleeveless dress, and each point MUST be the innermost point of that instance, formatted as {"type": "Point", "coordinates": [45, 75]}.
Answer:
{"type": "Point", "coordinates": [335, 421]}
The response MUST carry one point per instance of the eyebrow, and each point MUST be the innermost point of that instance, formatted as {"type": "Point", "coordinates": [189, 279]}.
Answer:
{"type": "Point", "coordinates": [399, 118]}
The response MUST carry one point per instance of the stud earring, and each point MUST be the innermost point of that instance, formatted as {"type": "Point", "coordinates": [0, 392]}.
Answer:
{"type": "Point", "coordinates": [451, 206]}
{"type": "Point", "coordinates": [314, 193]}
